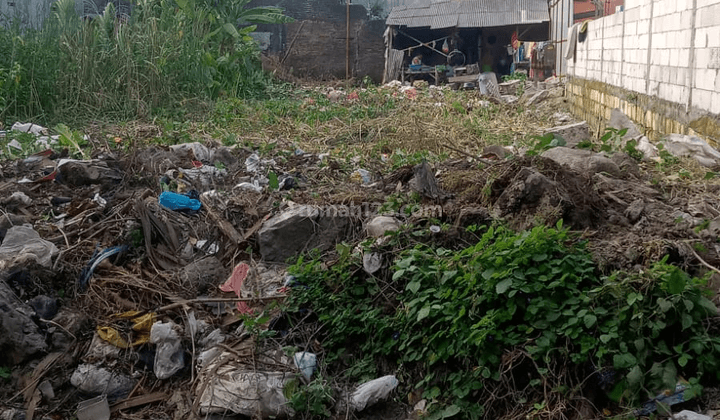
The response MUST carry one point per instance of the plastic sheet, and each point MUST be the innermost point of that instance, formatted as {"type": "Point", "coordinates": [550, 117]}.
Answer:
{"type": "Point", "coordinates": [22, 244]}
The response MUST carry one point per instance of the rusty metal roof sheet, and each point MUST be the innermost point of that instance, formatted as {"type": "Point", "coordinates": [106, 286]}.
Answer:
{"type": "Point", "coordinates": [438, 14]}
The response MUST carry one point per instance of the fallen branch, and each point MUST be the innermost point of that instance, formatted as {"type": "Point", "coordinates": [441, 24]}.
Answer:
{"type": "Point", "coordinates": [138, 401]}
{"type": "Point", "coordinates": [184, 302]}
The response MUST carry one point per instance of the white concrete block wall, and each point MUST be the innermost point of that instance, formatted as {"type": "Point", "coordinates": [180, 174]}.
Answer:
{"type": "Point", "coordinates": [657, 55]}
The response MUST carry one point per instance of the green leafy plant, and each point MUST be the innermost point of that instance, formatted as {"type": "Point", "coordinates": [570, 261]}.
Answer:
{"type": "Point", "coordinates": [5, 372]}
{"type": "Point", "coordinates": [612, 139]}
{"type": "Point", "coordinates": [315, 398]}
{"type": "Point", "coordinates": [534, 294]}
{"type": "Point", "coordinates": [71, 139]}
{"type": "Point", "coordinates": [543, 143]}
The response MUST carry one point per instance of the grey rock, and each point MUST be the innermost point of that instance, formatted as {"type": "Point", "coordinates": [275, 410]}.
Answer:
{"type": "Point", "coordinates": [690, 415]}
{"type": "Point", "coordinates": [203, 273]}
{"type": "Point", "coordinates": [86, 172]}
{"type": "Point", "coordinates": [46, 389]}
{"type": "Point", "coordinates": [619, 121]}
{"type": "Point", "coordinates": [20, 338]}
{"type": "Point", "coordinates": [299, 229]}
{"type": "Point", "coordinates": [381, 224]}
{"type": "Point", "coordinates": [572, 133]}
{"type": "Point", "coordinates": [583, 161]}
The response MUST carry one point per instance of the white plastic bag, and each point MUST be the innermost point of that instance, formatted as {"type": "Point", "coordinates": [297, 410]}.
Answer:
{"type": "Point", "coordinates": [169, 354]}
{"type": "Point", "coordinates": [371, 392]}
{"type": "Point", "coordinates": [23, 244]}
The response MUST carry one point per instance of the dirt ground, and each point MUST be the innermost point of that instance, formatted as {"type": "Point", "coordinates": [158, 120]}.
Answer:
{"type": "Point", "coordinates": [174, 261]}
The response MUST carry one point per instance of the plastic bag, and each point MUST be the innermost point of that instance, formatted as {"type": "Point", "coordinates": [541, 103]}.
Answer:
{"type": "Point", "coordinates": [169, 354]}
{"type": "Point", "coordinates": [23, 244]}
{"type": "Point", "coordinates": [445, 47]}
{"type": "Point", "coordinates": [371, 392]}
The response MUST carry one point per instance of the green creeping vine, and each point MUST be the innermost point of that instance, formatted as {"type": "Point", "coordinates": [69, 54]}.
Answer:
{"type": "Point", "coordinates": [458, 315]}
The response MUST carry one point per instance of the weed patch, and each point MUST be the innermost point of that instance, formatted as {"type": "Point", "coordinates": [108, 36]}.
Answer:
{"type": "Point", "coordinates": [518, 323]}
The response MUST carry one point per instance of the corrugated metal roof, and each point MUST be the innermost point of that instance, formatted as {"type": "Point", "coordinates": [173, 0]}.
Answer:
{"type": "Point", "coordinates": [438, 14]}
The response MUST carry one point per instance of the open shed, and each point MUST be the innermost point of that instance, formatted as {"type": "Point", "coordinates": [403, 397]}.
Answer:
{"type": "Point", "coordinates": [447, 34]}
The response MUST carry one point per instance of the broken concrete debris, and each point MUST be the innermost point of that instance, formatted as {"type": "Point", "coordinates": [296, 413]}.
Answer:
{"type": "Point", "coordinates": [297, 229]}
{"type": "Point", "coordinates": [583, 161]}
{"type": "Point", "coordinates": [379, 225]}
{"type": "Point", "coordinates": [573, 134]}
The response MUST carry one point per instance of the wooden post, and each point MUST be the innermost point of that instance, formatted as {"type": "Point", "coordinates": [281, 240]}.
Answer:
{"type": "Point", "coordinates": [347, 39]}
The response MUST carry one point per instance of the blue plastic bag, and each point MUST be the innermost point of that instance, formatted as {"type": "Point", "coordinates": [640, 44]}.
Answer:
{"type": "Point", "coordinates": [175, 201]}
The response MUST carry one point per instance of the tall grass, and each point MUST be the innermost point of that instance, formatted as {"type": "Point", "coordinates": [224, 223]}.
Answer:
{"type": "Point", "coordinates": [116, 66]}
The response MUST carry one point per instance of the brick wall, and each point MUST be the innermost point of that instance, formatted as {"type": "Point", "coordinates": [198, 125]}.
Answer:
{"type": "Point", "coordinates": [659, 56]}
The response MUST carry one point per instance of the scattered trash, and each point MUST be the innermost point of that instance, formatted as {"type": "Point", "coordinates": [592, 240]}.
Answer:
{"type": "Point", "coordinates": [95, 260]}
{"type": "Point", "coordinates": [488, 85]}
{"type": "Point", "coordinates": [175, 201]}
{"type": "Point", "coordinates": [690, 415]}
{"type": "Point", "coordinates": [169, 354]}
{"type": "Point", "coordinates": [254, 164]}
{"type": "Point", "coordinates": [94, 409]}
{"type": "Point", "coordinates": [306, 362]}
{"type": "Point", "coordinates": [372, 392]}
{"type": "Point", "coordinates": [209, 248]}
{"type": "Point", "coordinates": [583, 161]}
{"type": "Point", "coordinates": [234, 284]}
{"type": "Point", "coordinates": [361, 176]}
{"type": "Point", "coordinates": [99, 200]}
{"type": "Point", "coordinates": [29, 128]}
{"type": "Point", "coordinates": [22, 245]}
{"type": "Point", "coordinates": [435, 229]}
{"type": "Point", "coordinates": [96, 380]}
{"type": "Point", "coordinates": [535, 98]}
{"type": "Point", "coordinates": [206, 176]}
{"type": "Point", "coordinates": [16, 198]}
{"type": "Point", "coordinates": [372, 262]}
{"type": "Point", "coordinates": [666, 399]}
{"type": "Point", "coordinates": [225, 384]}
{"type": "Point", "coordinates": [78, 173]}
{"type": "Point", "coordinates": [46, 389]}
{"type": "Point", "coordinates": [15, 145]}
{"type": "Point", "coordinates": [197, 150]}
{"type": "Point", "coordinates": [298, 228]}
{"type": "Point", "coordinates": [255, 186]}
{"type": "Point", "coordinates": [425, 182]}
